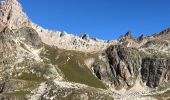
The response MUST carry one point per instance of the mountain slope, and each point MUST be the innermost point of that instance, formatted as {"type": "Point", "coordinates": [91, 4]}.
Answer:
{"type": "Point", "coordinates": [24, 67]}
{"type": "Point", "coordinates": [37, 63]}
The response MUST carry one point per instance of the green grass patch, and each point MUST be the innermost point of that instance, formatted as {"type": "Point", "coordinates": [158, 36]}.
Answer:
{"type": "Point", "coordinates": [17, 95]}
{"type": "Point", "coordinates": [31, 77]}
{"type": "Point", "coordinates": [162, 96]}
{"type": "Point", "coordinates": [24, 46]}
{"type": "Point", "coordinates": [80, 75]}
{"type": "Point", "coordinates": [75, 69]}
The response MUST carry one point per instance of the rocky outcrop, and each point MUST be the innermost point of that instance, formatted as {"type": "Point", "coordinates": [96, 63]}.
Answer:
{"type": "Point", "coordinates": [140, 38]}
{"type": "Point", "coordinates": [12, 15]}
{"type": "Point", "coordinates": [30, 37]}
{"type": "Point", "coordinates": [164, 32]}
{"type": "Point", "coordinates": [127, 36]}
{"type": "Point", "coordinates": [125, 63]}
{"type": "Point", "coordinates": [85, 36]}
{"type": "Point", "coordinates": [163, 35]}
{"type": "Point", "coordinates": [155, 71]}
{"type": "Point", "coordinates": [124, 66]}
{"type": "Point", "coordinates": [7, 53]}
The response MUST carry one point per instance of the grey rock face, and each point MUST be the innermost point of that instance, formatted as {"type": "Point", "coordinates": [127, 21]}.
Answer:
{"type": "Point", "coordinates": [124, 65]}
{"type": "Point", "coordinates": [31, 37]}
{"type": "Point", "coordinates": [154, 71]}
{"type": "Point", "coordinates": [100, 69]}
{"type": "Point", "coordinates": [7, 53]}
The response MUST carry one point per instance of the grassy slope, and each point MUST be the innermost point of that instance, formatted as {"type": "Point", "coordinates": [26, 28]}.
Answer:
{"type": "Point", "coordinates": [74, 70]}
{"type": "Point", "coordinates": [163, 96]}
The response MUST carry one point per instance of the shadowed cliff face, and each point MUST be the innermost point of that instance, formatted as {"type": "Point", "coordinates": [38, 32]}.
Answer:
{"type": "Point", "coordinates": [123, 66]}
{"type": "Point", "coordinates": [155, 71]}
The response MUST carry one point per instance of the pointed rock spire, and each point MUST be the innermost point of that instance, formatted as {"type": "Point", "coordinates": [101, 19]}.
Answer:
{"type": "Point", "coordinates": [128, 35]}
{"type": "Point", "coordinates": [85, 36]}
{"type": "Point", "coordinates": [140, 38]}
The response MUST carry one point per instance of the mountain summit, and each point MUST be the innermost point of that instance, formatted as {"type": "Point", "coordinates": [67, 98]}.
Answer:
{"type": "Point", "coordinates": [41, 64]}
{"type": "Point", "coordinates": [12, 14]}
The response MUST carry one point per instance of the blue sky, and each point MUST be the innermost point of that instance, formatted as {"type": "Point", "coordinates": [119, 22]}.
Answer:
{"type": "Point", "coordinates": [104, 19]}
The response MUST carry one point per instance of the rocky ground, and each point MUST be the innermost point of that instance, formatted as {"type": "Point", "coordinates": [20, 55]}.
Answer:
{"type": "Point", "coordinates": [41, 64]}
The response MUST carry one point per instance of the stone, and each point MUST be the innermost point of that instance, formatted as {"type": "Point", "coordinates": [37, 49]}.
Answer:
{"type": "Point", "coordinates": [31, 37]}
{"type": "Point", "coordinates": [140, 38]}
{"type": "Point", "coordinates": [128, 35]}
{"type": "Point", "coordinates": [154, 70]}
{"type": "Point", "coordinates": [2, 27]}
{"type": "Point", "coordinates": [85, 37]}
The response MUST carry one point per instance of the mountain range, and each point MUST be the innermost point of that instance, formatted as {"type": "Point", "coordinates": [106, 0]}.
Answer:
{"type": "Point", "coordinates": [42, 64]}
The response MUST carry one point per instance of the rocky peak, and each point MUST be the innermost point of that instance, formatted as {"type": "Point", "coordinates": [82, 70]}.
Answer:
{"type": "Point", "coordinates": [85, 36]}
{"type": "Point", "coordinates": [140, 38]}
{"type": "Point", "coordinates": [128, 35]}
{"type": "Point", "coordinates": [12, 15]}
{"type": "Point", "coordinates": [167, 31]}
{"type": "Point", "coordinates": [125, 37]}
{"type": "Point", "coordinates": [163, 35]}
